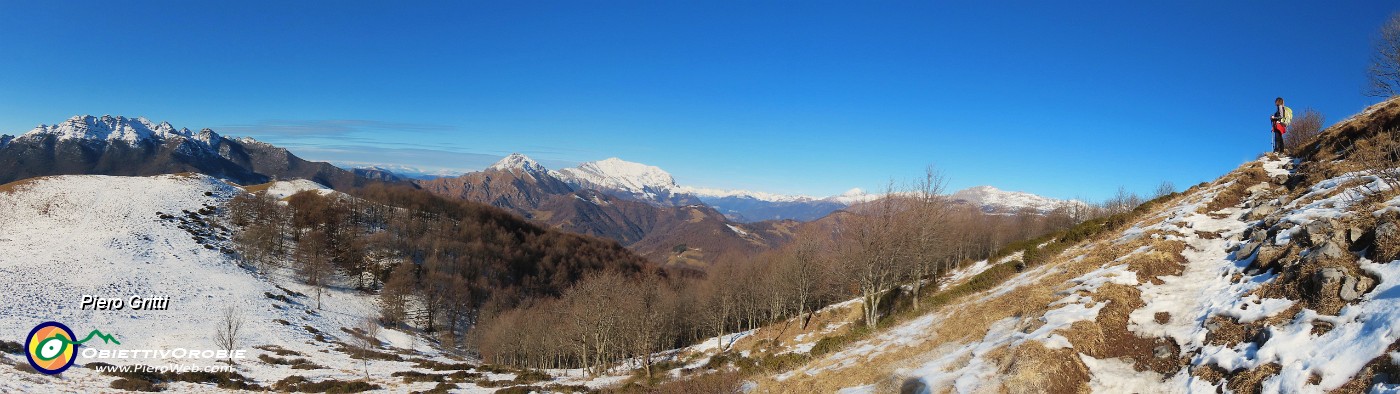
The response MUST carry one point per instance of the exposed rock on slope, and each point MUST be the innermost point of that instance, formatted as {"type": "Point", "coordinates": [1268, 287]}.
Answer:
{"type": "Point", "coordinates": [1278, 277]}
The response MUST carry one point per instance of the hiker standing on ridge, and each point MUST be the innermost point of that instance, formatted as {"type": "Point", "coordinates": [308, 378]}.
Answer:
{"type": "Point", "coordinates": [1282, 117]}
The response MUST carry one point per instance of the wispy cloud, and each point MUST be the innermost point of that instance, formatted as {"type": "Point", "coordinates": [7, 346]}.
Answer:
{"type": "Point", "coordinates": [326, 127]}
{"type": "Point", "coordinates": [429, 160]}
{"type": "Point", "coordinates": [362, 142]}
{"type": "Point", "coordinates": [434, 159]}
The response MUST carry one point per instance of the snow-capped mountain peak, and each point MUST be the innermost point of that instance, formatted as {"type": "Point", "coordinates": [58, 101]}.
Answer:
{"type": "Point", "coordinates": [119, 128]}
{"type": "Point", "coordinates": [519, 162]}
{"type": "Point", "coordinates": [761, 196]}
{"type": "Point", "coordinates": [853, 196]}
{"type": "Point", "coordinates": [107, 128]}
{"type": "Point", "coordinates": [615, 173]}
{"type": "Point", "coordinates": [993, 198]}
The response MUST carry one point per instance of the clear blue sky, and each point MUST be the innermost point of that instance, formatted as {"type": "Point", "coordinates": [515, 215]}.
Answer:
{"type": "Point", "coordinates": [1064, 100]}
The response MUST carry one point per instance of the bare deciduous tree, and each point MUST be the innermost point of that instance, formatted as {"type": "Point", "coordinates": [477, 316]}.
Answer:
{"type": "Point", "coordinates": [314, 265]}
{"type": "Point", "coordinates": [230, 330]}
{"type": "Point", "coordinates": [1303, 130]}
{"type": "Point", "coordinates": [367, 340]}
{"type": "Point", "coordinates": [1164, 189]}
{"type": "Point", "coordinates": [806, 271]}
{"type": "Point", "coordinates": [1122, 202]}
{"type": "Point", "coordinates": [395, 295]}
{"type": "Point", "coordinates": [1379, 156]}
{"type": "Point", "coordinates": [1384, 71]}
{"type": "Point", "coordinates": [870, 250]}
{"type": "Point", "coordinates": [927, 218]}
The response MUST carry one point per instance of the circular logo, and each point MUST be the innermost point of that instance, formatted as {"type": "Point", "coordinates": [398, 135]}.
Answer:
{"type": "Point", "coordinates": [50, 347]}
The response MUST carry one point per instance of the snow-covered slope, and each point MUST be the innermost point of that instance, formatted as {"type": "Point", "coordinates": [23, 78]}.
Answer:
{"type": "Point", "coordinates": [1242, 285]}
{"type": "Point", "coordinates": [641, 180]}
{"type": "Point", "coordinates": [284, 189]}
{"type": "Point", "coordinates": [65, 237]}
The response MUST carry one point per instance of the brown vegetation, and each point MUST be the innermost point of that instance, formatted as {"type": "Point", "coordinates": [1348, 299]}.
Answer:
{"type": "Point", "coordinates": [435, 261]}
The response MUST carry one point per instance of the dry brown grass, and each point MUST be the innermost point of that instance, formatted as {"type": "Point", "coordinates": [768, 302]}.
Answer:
{"type": "Point", "coordinates": [1228, 332]}
{"type": "Point", "coordinates": [972, 323]}
{"type": "Point", "coordinates": [17, 185]}
{"type": "Point", "coordinates": [1030, 367]}
{"type": "Point", "coordinates": [1295, 282]}
{"type": "Point", "coordinates": [1109, 337]}
{"type": "Point", "coordinates": [1249, 381]}
{"type": "Point", "coordinates": [1209, 373]}
{"type": "Point", "coordinates": [972, 317]}
{"type": "Point", "coordinates": [1164, 259]}
{"type": "Point", "coordinates": [258, 187]}
{"type": "Point", "coordinates": [1386, 248]}
{"type": "Point", "coordinates": [1035, 369]}
{"type": "Point", "coordinates": [786, 332]}
{"type": "Point", "coordinates": [1244, 178]}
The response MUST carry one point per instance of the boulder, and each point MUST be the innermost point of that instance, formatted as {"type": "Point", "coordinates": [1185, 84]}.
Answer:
{"type": "Point", "coordinates": [1258, 235]}
{"type": "Point", "coordinates": [1256, 189]}
{"type": "Point", "coordinates": [1163, 351]}
{"type": "Point", "coordinates": [1261, 212]}
{"type": "Point", "coordinates": [1280, 179]}
{"type": "Point", "coordinates": [1263, 335]}
{"type": "Point", "coordinates": [1246, 249]}
{"type": "Point", "coordinates": [1348, 292]}
{"type": "Point", "coordinates": [1327, 276]}
{"type": "Point", "coordinates": [1327, 250]}
{"type": "Point", "coordinates": [1355, 234]}
{"type": "Point", "coordinates": [1316, 232]}
{"type": "Point", "coordinates": [1353, 287]}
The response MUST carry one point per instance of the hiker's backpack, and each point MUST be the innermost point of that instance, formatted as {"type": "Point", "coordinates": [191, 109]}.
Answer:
{"type": "Point", "coordinates": [1287, 116]}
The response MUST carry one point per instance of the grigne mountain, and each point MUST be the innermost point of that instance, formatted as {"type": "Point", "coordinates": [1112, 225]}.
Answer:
{"type": "Point", "coordinates": [1278, 276]}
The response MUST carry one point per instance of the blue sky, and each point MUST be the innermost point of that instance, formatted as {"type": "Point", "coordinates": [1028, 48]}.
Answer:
{"type": "Point", "coordinates": [791, 97]}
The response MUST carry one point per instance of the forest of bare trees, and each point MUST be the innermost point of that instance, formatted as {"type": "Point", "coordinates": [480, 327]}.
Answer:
{"type": "Point", "coordinates": [435, 262]}
{"type": "Point", "coordinates": [876, 252]}
{"type": "Point", "coordinates": [515, 293]}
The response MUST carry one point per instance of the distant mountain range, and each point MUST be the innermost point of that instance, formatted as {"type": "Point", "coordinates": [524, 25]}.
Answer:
{"type": "Point", "coordinates": [399, 171]}
{"type": "Point", "coordinates": [115, 145]}
{"type": "Point", "coordinates": [654, 222]}
{"type": "Point", "coordinates": [638, 205]}
{"type": "Point", "coordinates": [650, 184]}
{"type": "Point", "coordinates": [993, 200]}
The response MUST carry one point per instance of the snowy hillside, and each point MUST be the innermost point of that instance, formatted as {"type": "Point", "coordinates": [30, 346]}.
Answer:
{"type": "Point", "coordinates": [284, 189]}
{"type": "Point", "coordinates": [1240, 285]}
{"type": "Point", "coordinates": [65, 237]}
